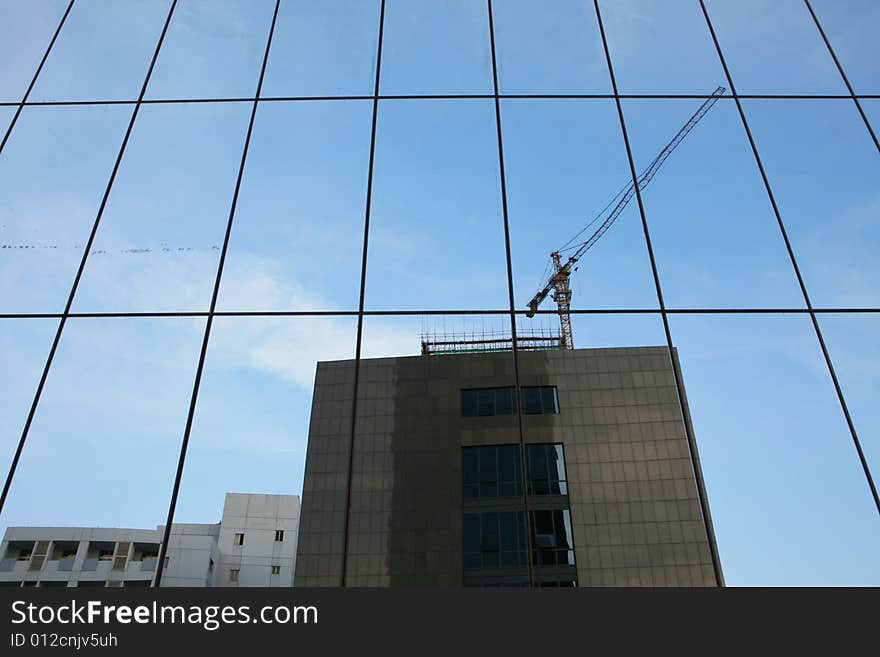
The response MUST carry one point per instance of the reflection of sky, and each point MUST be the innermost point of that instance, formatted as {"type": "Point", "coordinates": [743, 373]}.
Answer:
{"type": "Point", "coordinates": [788, 498]}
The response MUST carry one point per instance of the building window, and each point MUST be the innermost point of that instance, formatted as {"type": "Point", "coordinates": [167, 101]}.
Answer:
{"type": "Point", "coordinates": [276, 570]}
{"type": "Point", "coordinates": [279, 535]}
{"type": "Point", "coordinates": [167, 561]}
{"type": "Point", "coordinates": [545, 465]}
{"type": "Point", "coordinates": [238, 540]}
{"type": "Point", "coordinates": [494, 540]}
{"type": "Point", "coordinates": [495, 545]}
{"type": "Point", "coordinates": [496, 471]}
{"type": "Point", "coordinates": [233, 575]}
{"type": "Point", "coordinates": [477, 402]}
{"type": "Point", "coordinates": [491, 471]}
{"type": "Point", "coordinates": [552, 543]}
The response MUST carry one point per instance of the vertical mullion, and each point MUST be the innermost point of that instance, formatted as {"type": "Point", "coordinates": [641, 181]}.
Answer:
{"type": "Point", "coordinates": [691, 441]}
{"type": "Point", "coordinates": [30, 87]}
{"type": "Point", "coordinates": [794, 264]}
{"type": "Point", "coordinates": [852, 92]}
{"type": "Point", "coordinates": [210, 318]}
{"type": "Point", "coordinates": [360, 321]}
{"type": "Point", "coordinates": [512, 308]}
{"type": "Point", "coordinates": [88, 247]}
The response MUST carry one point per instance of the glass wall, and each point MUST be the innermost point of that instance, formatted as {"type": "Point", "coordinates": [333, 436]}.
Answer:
{"type": "Point", "coordinates": [220, 220]}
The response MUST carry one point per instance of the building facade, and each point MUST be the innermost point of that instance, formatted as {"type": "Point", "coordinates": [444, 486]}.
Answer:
{"type": "Point", "coordinates": [437, 479]}
{"type": "Point", "coordinates": [254, 544]}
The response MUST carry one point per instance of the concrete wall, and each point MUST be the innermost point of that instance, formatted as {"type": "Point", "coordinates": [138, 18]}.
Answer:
{"type": "Point", "coordinates": [198, 554]}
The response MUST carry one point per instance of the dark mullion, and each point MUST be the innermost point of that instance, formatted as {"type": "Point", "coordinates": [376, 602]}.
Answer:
{"type": "Point", "coordinates": [210, 318]}
{"type": "Point", "coordinates": [294, 99]}
{"type": "Point", "coordinates": [794, 264]}
{"type": "Point", "coordinates": [852, 91]}
{"type": "Point", "coordinates": [515, 349]}
{"type": "Point", "coordinates": [20, 106]}
{"type": "Point", "coordinates": [82, 264]}
{"type": "Point", "coordinates": [360, 314]}
{"type": "Point", "coordinates": [691, 440]}
{"type": "Point", "coordinates": [470, 311]}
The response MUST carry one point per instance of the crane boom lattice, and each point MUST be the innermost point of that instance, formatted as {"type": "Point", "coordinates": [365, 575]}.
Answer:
{"type": "Point", "coordinates": [558, 283]}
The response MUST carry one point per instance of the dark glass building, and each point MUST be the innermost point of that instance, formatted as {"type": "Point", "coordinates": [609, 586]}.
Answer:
{"type": "Point", "coordinates": [439, 494]}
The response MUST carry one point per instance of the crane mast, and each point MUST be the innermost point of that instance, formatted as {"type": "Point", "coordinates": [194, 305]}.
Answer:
{"type": "Point", "coordinates": [558, 283]}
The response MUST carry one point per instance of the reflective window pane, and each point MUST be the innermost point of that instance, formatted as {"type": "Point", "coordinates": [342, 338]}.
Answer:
{"type": "Point", "coordinates": [566, 171]}
{"type": "Point", "coordinates": [788, 498]}
{"type": "Point", "coordinates": [25, 33]}
{"type": "Point", "coordinates": [824, 169]}
{"type": "Point", "coordinates": [323, 49]}
{"type": "Point", "coordinates": [160, 236]}
{"type": "Point", "coordinates": [409, 434]}
{"type": "Point", "coordinates": [436, 48]}
{"type": "Point", "coordinates": [25, 345]}
{"type": "Point", "coordinates": [269, 389]}
{"type": "Point", "coordinates": [436, 228]}
{"type": "Point", "coordinates": [112, 412]}
{"type": "Point", "coordinates": [297, 238]}
{"type": "Point", "coordinates": [709, 252]}
{"type": "Point", "coordinates": [549, 48]}
{"type": "Point", "coordinates": [850, 25]}
{"type": "Point", "coordinates": [103, 51]}
{"type": "Point", "coordinates": [213, 49]}
{"type": "Point", "coordinates": [644, 63]}
{"type": "Point", "coordinates": [855, 352]}
{"type": "Point", "coordinates": [764, 59]}
{"type": "Point", "coordinates": [53, 173]}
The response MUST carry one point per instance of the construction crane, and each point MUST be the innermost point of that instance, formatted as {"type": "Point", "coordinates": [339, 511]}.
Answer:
{"type": "Point", "coordinates": [558, 281]}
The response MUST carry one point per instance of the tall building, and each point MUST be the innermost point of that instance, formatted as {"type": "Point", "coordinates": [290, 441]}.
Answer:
{"type": "Point", "coordinates": [436, 496]}
{"type": "Point", "coordinates": [254, 544]}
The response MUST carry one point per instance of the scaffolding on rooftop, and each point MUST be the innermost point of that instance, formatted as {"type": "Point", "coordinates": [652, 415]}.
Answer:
{"type": "Point", "coordinates": [483, 341]}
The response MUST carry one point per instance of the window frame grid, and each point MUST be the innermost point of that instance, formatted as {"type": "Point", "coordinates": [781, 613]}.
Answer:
{"type": "Point", "coordinates": [663, 312]}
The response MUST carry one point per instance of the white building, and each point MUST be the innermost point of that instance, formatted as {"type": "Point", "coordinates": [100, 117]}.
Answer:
{"type": "Point", "coordinates": [254, 544]}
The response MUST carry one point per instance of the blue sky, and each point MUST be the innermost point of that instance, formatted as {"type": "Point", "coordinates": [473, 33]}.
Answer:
{"type": "Point", "coordinates": [788, 498]}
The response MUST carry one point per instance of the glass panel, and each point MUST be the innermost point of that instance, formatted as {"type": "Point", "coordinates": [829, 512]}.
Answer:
{"type": "Point", "coordinates": [297, 238]}
{"type": "Point", "coordinates": [566, 166]}
{"type": "Point", "coordinates": [103, 51]}
{"type": "Point", "coordinates": [6, 114]}
{"type": "Point", "coordinates": [787, 494]}
{"type": "Point", "coordinates": [159, 241]}
{"type": "Point", "coordinates": [764, 59]}
{"type": "Point", "coordinates": [469, 403]}
{"type": "Point", "coordinates": [715, 237]}
{"type": "Point", "coordinates": [410, 437]}
{"type": "Point", "coordinates": [25, 33]}
{"type": "Point", "coordinates": [272, 396]}
{"type": "Point", "coordinates": [639, 35]}
{"type": "Point", "coordinates": [619, 423]}
{"type": "Point", "coordinates": [53, 173]}
{"type": "Point", "coordinates": [872, 110]}
{"type": "Point", "coordinates": [25, 345]}
{"type": "Point", "coordinates": [213, 49]}
{"type": "Point", "coordinates": [436, 229]}
{"type": "Point", "coordinates": [323, 49]}
{"type": "Point", "coordinates": [549, 48]}
{"type": "Point", "coordinates": [436, 48]}
{"type": "Point", "coordinates": [104, 444]}
{"type": "Point", "coordinates": [852, 342]}
{"type": "Point", "coordinates": [504, 401]}
{"type": "Point", "coordinates": [548, 399]}
{"type": "Point", "coordinates": [850, 25]}
{"type": "Point", "coordinates": [824, 169]}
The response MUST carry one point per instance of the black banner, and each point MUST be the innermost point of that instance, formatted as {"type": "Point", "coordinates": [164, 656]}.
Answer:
{"type": "Point", "coordinates": [413, 621]}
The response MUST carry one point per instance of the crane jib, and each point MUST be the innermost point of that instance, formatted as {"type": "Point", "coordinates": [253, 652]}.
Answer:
{"type": "Point", "coordinates": [559, 279]}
